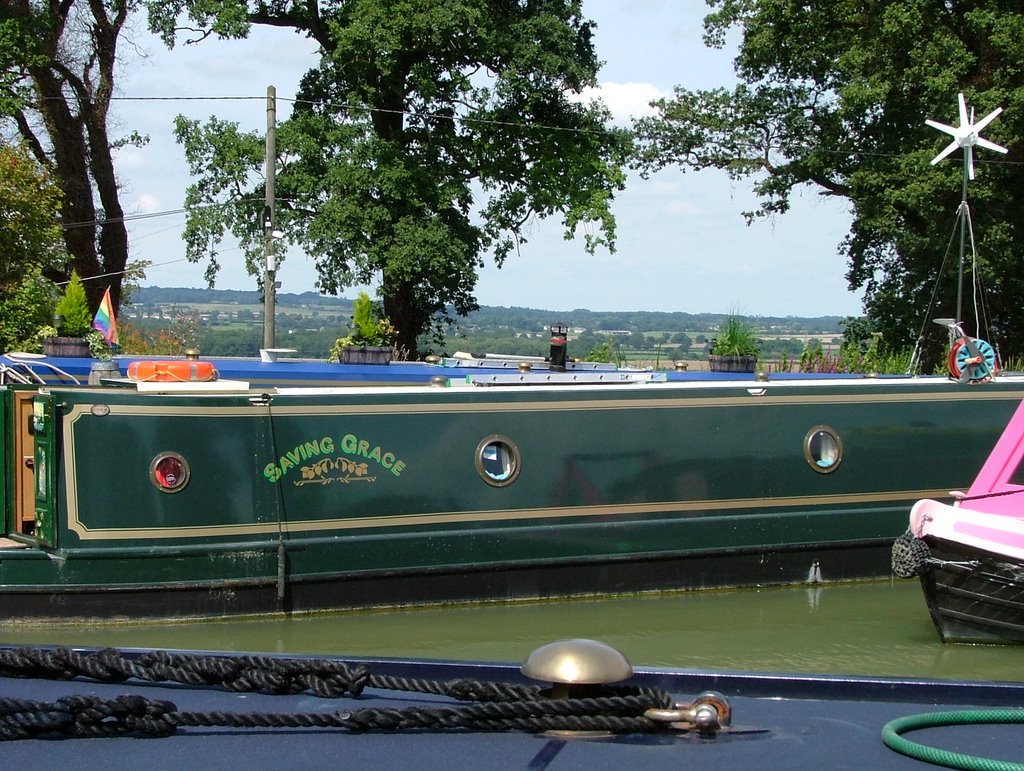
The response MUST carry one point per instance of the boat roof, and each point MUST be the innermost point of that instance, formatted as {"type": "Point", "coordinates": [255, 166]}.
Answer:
{"type": "Point", "coordinates": [318, 374]}
{"type": "Point", "coordinates": [789, 721]}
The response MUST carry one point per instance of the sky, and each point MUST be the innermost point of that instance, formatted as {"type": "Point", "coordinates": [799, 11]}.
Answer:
{"type": "Point", "coordinates": [682, 241]}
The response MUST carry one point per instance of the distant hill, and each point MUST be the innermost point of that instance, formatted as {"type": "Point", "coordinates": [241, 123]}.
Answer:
{"type": "Point", "coordinates": [513, 319]}
{"type": "Point", "coordinates": [157, 295]}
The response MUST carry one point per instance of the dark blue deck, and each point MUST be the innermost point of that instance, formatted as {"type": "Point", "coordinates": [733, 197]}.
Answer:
{"type": "Point", "coordinates": [778, 721]}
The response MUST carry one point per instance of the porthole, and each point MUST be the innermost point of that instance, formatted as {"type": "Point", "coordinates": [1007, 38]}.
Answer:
{"type": "Point", "coordinates": [498, 461]}
{"type": "Point", "coordinates": [823, 449]}
{"type": "Point", "coordinates": [169, 472]}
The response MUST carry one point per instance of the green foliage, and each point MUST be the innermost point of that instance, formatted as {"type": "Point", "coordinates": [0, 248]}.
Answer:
{"type": "Point", "coordinates": [57, 77]}
{"type": "Point", "coordinates": [736, 338]}
{"type": "Point", "coordinates": [368, 329]}
{"type": "Point", "coordinates": [171, 340]}
{"type": "Point", "coordinates": [30, 228]}
{"type": "Point", "coordinates": [31, 239]}
{"type": "Point", "coordinates": [835, 97]}
{"type": "Point", "coordinates": [1013, 364]}
{"type": "Point", "coordinates": [74, 307]}
{"type": "Point", "coordinates": [606, 353]}
{"type": "Point", "coordinates": [24, 312]}
{"type": "Point", "coordinates": [18, 49]}
{"type": "Point", "coordinates": [854, 356]}
{"type": "Point", "coordinates": [98, 347]}
{"type": "Point", "coordinates": [406, 166]}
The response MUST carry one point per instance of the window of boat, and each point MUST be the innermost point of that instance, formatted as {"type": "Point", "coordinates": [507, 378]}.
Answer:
{"type": "Point", "coordinates": [823, 449]}
{"type": "Point", "coordinates": [169, 472]}
{"type": "Point", "coordinates": [498, 460]}
{"type": "Point", "coordinates": [1017, 477]}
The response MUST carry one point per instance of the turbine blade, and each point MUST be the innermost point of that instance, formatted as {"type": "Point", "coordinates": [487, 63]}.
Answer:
{"type": "Point", "coordinates": [987, 119]}
{"type": "Point", "coordinates": [970, 162]}
{"type": "Point", "coordinates": [962, 103]}
{"type": "Point", "coordinates": [941, 126]}
{"type": "Point", "coordinates": [949, 149]}
{"type": "Point", "coordinates": [982, 142]}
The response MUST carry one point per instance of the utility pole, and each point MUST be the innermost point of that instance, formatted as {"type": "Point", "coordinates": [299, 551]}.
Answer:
{"type": "Point", "coordinates": [269, 287]}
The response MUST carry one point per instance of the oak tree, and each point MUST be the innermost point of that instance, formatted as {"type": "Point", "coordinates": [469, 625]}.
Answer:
{"type": "Point", "coordinates": [833, 95]}
{"type": "Point", "coordinates": [57, 68]}
{"type": "Point", "coordinates": [430, 134]}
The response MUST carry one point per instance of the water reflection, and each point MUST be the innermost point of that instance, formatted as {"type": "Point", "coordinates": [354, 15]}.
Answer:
{"type": "Point", "coordinates": [863, 629]}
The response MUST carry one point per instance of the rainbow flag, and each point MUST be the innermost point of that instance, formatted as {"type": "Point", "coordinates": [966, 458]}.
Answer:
{"type": "Point", "coordinates": [104, 319]}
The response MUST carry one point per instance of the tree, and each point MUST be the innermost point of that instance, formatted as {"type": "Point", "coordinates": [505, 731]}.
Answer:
{"type": "Point", "coordinates": [429, 134]}
{"type": "Point", "coordinates": [30, 236]}
{"type": "Point", "coordinates": [74, 309]}
{"type": "Point", "coordinates": [834, 95]}
{"type": "Point", "coordinates": [30, 231]}
{"type": "Point", "coordinates": [682, 339]}
{"type": "Point", "coordinates": [57, 61]}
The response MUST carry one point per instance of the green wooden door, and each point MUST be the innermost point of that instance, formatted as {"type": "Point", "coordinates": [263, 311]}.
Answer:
{"type": "Point", "coordinates": [44, 429]}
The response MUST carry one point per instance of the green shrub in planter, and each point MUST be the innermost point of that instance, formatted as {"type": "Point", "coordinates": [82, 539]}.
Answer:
{"type": "Point", "coordinates": [366, 332]}
{"type": "Point", "coordinates": [736, 349]}
{"type": "Point", "coordinates": [74, 308]}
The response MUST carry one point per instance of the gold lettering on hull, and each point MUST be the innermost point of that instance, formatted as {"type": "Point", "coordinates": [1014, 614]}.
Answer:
{"type": "Point", "coordinates": [350, 469]}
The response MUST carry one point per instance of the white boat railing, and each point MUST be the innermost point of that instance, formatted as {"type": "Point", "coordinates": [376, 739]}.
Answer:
{"type": "Point", "coordinates": [17, 367]}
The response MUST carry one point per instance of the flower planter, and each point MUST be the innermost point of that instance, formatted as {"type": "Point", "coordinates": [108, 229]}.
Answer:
{"type": "Point", "coordinates": [370, 354]}
{"type": "Point", "coordinates": [732, 363]}
{"type": "Point", "coordinates": [77, 347]}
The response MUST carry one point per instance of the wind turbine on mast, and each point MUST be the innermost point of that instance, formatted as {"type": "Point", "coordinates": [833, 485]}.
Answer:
{"type": "Point", "coordinates": [966, 136]}
{"type": "Point", "coordinates": [970, 358]}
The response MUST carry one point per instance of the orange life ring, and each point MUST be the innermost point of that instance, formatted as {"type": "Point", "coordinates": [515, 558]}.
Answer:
{"type": "Point", "coordinates": [172, 371]}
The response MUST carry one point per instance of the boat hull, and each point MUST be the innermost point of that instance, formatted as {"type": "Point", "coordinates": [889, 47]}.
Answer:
{"type": "Point", "coordinates": [973, 596]}
{"type": "Point", "coordinates": [497, 582]}
{"type": "Point", "coordinates": [304, 499]}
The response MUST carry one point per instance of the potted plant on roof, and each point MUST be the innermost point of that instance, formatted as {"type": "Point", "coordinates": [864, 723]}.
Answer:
{"type": "Point", "coordinates": [72, 322]}
{"type": "Point", "coordinates": [370, 339]}
{"type": "Point", "coordinates": [736, 348]}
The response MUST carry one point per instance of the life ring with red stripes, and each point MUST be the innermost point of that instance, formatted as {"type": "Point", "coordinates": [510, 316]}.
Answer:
{"type": "Point", "coordinates": [171, 371]}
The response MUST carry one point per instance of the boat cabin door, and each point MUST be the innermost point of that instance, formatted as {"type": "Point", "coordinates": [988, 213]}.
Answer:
{"type": "Point", "coordinates": [45, 460]}
{"type": "Point", "coordinates": [21, 464]}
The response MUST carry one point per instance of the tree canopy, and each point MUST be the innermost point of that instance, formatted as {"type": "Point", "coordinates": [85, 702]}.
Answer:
{"type": "Point", "coordinates": [428, 135]}
{"type": "Point", "coordinates": [31, 237]}
{"type": "Point", "coordinates": [30, 230]}
{"type": "Point", "coordinates": [833, 95]}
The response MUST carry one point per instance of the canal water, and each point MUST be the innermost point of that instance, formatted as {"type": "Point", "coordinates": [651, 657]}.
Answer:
{"type": "Point", "coordinates": [878, 628]}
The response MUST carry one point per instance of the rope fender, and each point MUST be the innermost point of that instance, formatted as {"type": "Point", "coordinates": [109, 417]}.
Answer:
{"type": "Point", "coordinates": [909, 555]}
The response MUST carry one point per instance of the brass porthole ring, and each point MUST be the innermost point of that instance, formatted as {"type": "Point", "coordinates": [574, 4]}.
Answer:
{"type": "Point", "coordinates": [169, 472]}
{"type": "Point", "coordinates": [498, 460]}
{"type": "Point", "coordinates": [823, 449]}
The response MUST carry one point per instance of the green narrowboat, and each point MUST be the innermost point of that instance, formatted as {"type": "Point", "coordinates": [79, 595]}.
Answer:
{"type": "Point", "coordinates": [183, 500]}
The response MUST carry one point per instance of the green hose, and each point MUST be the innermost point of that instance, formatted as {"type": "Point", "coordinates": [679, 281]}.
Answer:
{"type": "Point", "coordinates": [893, 740]}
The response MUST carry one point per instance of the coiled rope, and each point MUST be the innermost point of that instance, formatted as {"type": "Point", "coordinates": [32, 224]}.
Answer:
{"type": "Point", "coordinates": [500, 707]}
{"type": "Point", "coordinates": [891, 735]}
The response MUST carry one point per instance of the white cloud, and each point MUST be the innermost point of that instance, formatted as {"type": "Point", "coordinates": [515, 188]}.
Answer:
{"type": "Point", "coordinates": [624, 100]}
{"type": "Point", "coordinates": [129, 158]}
{"type": "Point", "coordinates": [147, 204]}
